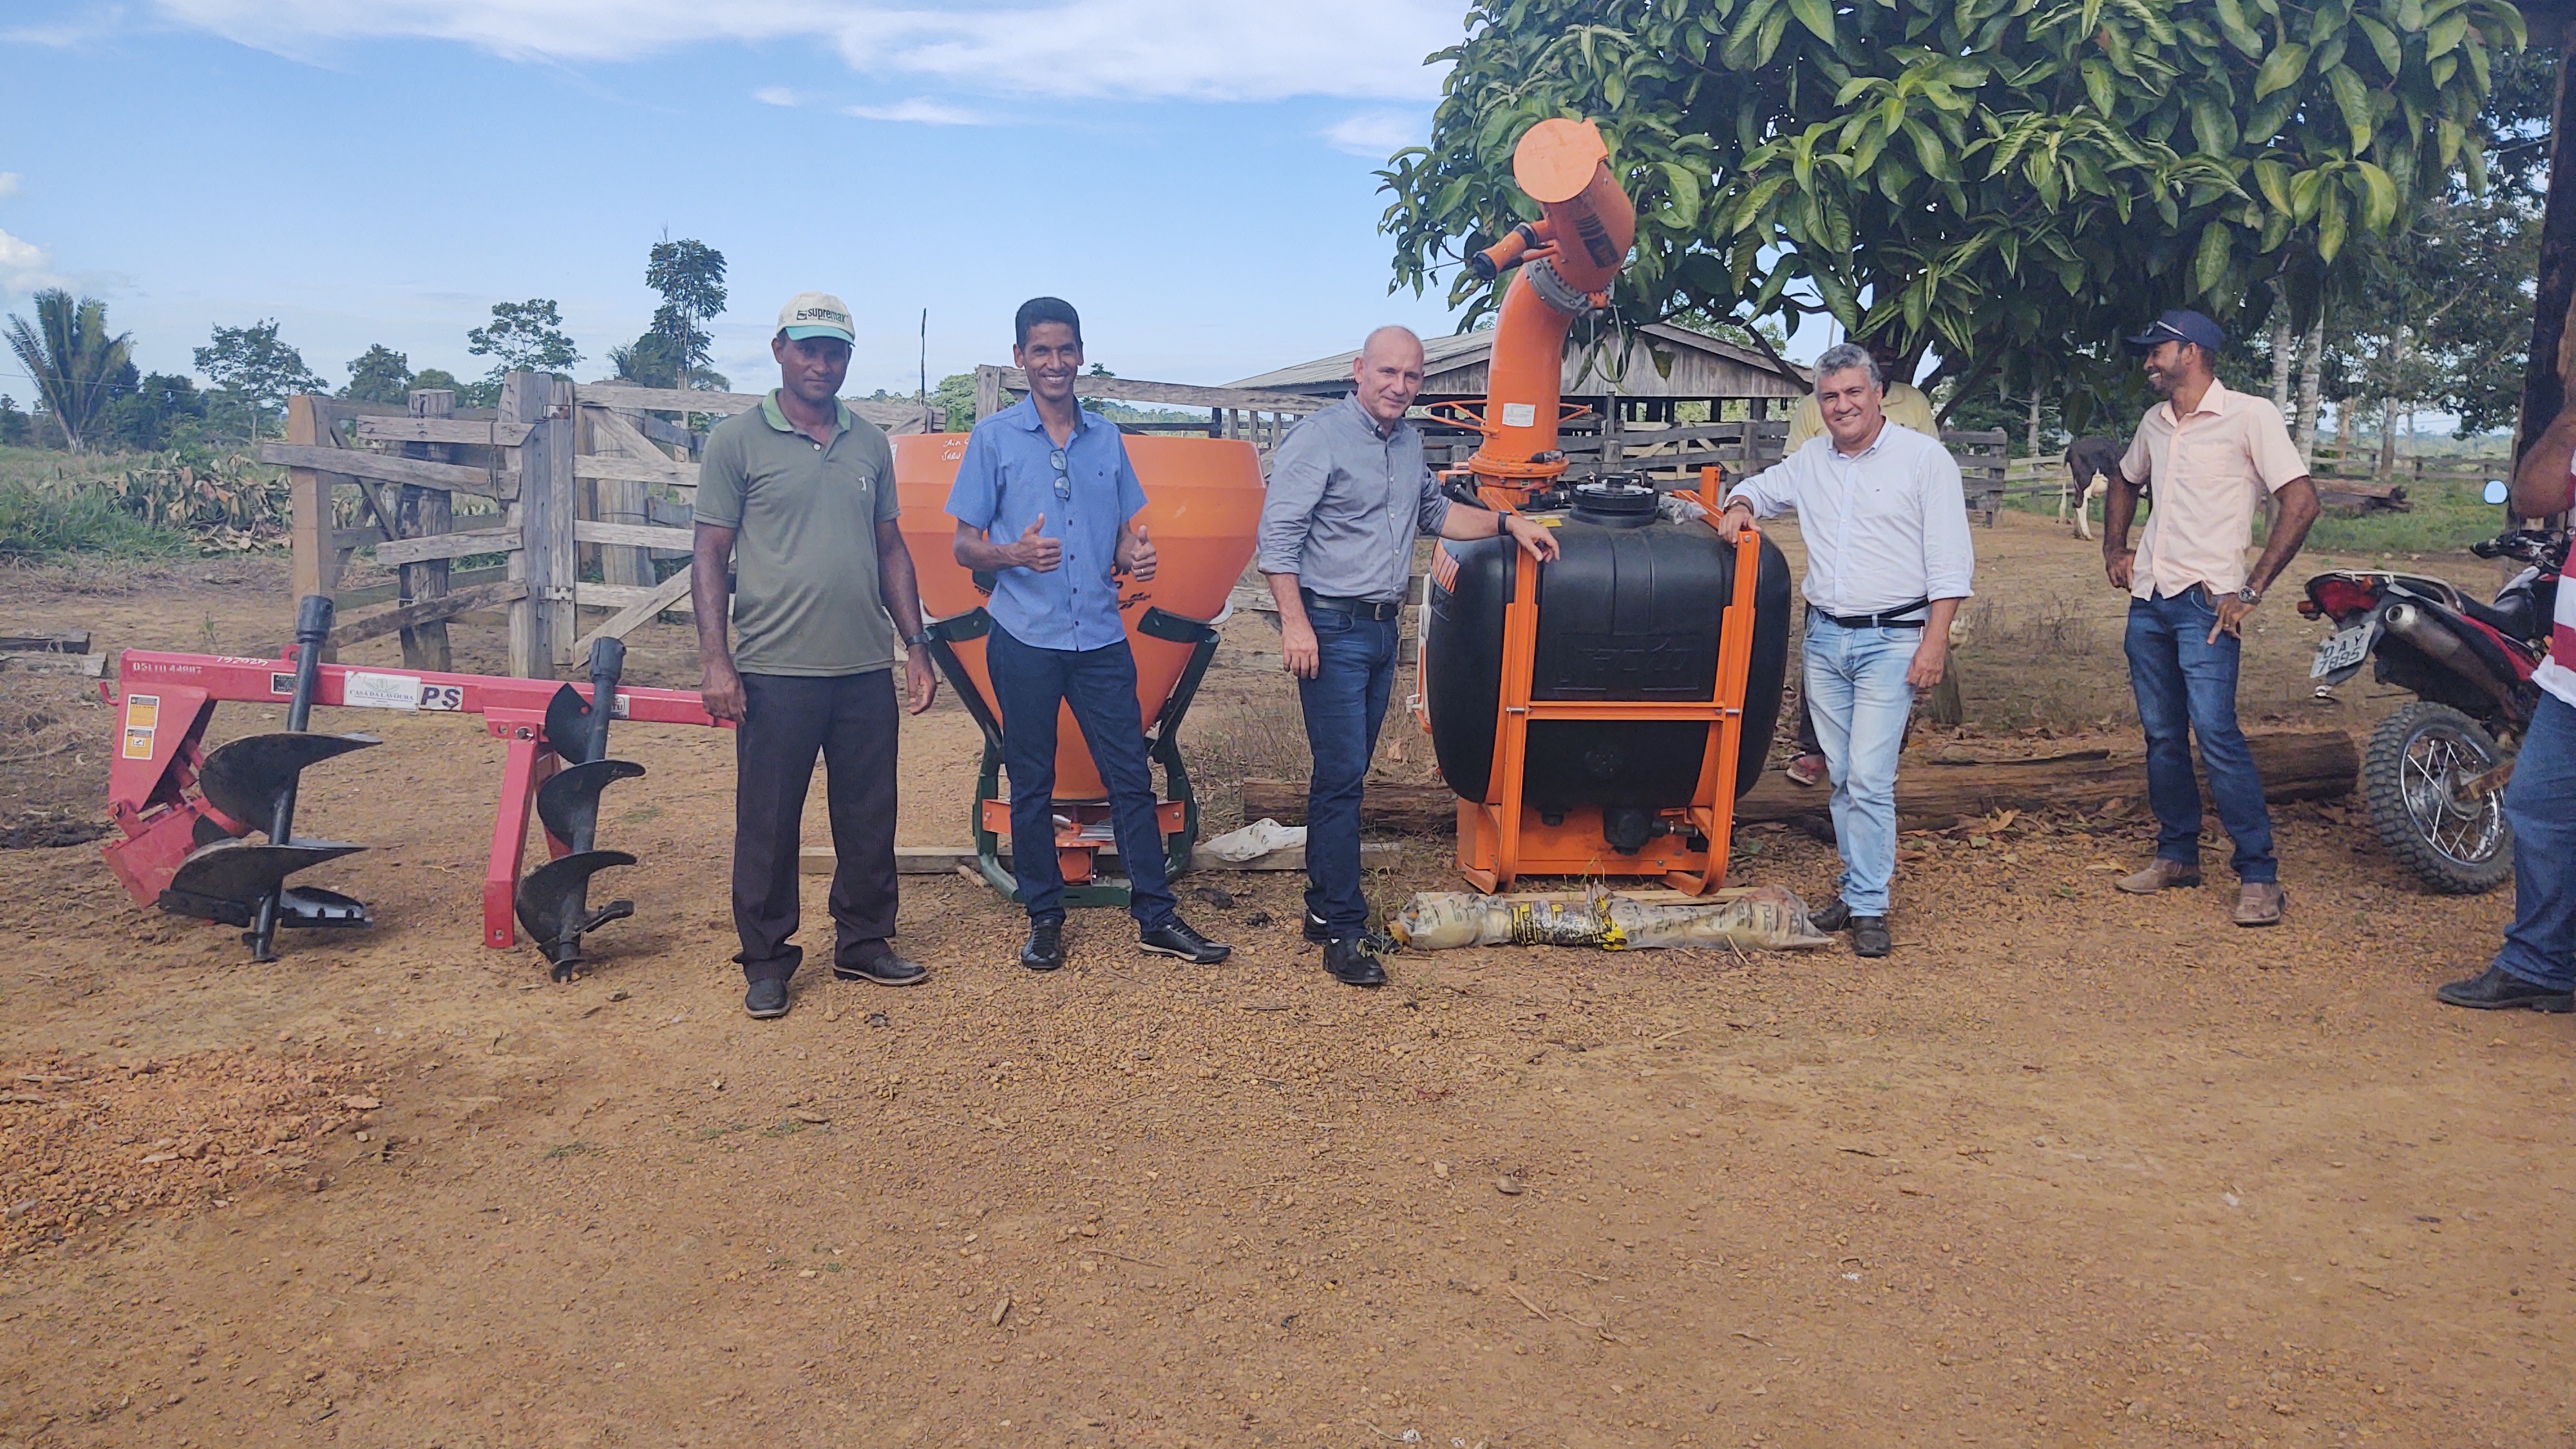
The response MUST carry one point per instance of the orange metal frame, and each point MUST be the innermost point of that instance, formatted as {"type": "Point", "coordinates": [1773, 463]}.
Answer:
{"type": "Point", "coordinates": [1498, 842]}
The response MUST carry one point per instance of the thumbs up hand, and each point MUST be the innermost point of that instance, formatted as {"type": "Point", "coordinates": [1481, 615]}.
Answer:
{"type": "Point", "coordinates": [1036, 552]}
{"type": "Point", "coordinates": [1136, 555]}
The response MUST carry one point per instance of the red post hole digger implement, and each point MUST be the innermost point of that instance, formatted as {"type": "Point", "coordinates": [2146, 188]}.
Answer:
{"type": "Point", "coordinates": [187, 812]}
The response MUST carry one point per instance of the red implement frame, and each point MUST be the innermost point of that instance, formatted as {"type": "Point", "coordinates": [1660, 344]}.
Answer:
{"type": "Point", "coordinates": [167, 700]}
{"type": "Point", "coordinates": [1498, 841]}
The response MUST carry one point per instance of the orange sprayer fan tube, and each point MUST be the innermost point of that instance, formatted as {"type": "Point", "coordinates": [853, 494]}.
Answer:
{"type": "Point", "coordinates": [1567, 261]}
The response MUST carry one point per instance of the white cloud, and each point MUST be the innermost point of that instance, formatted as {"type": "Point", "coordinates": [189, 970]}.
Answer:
{"type": "Point", "coordinates": [1111, 49]}
{"type": "Point", "coordinates": [776, 96]}
{"type": "Point", "coordinates": [9, 181]}
{"type": "Point", "coordinates": [23, 265]}
{"type": "Point", "coordinates": [1377, 134]}
{"type": "Point", "coordinates": [920, 110]}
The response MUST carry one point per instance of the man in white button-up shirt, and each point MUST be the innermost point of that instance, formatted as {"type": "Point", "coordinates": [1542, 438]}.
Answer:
{"type": "Point", "coordinates": [1888, 562]}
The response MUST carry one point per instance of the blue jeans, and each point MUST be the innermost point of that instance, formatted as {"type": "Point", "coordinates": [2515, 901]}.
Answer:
{"type": "Point", "coordinates": [1100, 684]}
{"type": "Point", "coordinates": [1344, 704]}
{"type": "Point", "coordinates": [1857, 693]}
{"type": "Point", "coordinates": [2540, 804]}
{"type": "Point", "coordinates": [2184, 681]}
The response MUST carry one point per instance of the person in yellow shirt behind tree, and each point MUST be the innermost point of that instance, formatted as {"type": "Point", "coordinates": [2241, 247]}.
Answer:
{"type": "Point", "coordinates": [1906, 406]}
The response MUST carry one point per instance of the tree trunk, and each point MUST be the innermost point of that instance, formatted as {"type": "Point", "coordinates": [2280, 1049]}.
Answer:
{"type": "Point", "coordinates": [2312, 369]}
{"type": "Point", "coordinates": [2387, 464]}
{"type": "Point", "coordinates": [2031, 445]}
{"type": "Point", "coordinates": [2294, 764]}
{"type": "Point", "coordinates": [2285, 353]}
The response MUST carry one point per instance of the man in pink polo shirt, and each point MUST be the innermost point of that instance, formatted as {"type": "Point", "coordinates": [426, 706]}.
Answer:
{"type": "Point", "coordinates": [2536, 969]}
{"type": "Point", "coordinates": [2207, 453]}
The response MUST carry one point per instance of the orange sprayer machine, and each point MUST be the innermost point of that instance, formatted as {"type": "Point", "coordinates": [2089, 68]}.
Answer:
{"type": "Point", "coordinates": [1600, 714]}
{"type": "Point", "coordinates": [1203, 508]}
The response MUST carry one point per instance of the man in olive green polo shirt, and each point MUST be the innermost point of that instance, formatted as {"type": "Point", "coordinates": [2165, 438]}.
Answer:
{"type": "Point", "coordinates": [799, 493]}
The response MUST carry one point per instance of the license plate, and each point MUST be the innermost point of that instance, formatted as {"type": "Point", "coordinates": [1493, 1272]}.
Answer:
{"type": "Point", "coordinates": [2345, 650]}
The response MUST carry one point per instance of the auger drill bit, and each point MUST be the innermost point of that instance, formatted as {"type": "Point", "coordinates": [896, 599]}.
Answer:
{"type": "Point", "coordinates": [554, 900]}
{"type": "Point", "coordinates": [253, 781]}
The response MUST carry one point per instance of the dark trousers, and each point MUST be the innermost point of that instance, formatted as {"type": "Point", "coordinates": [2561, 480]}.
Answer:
{"type": "Point", "coordinates": [1032, 685]}
{"type": "Point", "coordinates": [1344, 704]}
{"type": "Point", "coordinates": [2184, 682]}
{"type": "Point", "coordinates": [851, 721]}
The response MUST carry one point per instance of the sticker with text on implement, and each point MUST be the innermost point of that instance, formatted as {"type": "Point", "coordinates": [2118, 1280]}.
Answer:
{"type": "Point", "coordinates": [380, 691]}
{"type": "Point", "coordinates": [142, 717]}
{"type": "Point", "coordinates": [1519, 415]}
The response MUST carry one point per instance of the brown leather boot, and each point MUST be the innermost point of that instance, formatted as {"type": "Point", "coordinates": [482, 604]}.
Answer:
{"type": "Point", "coordinates": [2161, 874]}
{"type": "Point", "coordinates": [2259, 903]}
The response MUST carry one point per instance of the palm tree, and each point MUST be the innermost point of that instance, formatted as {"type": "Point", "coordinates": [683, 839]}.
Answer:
{"type": "Point", "coordinates": [71, 357]}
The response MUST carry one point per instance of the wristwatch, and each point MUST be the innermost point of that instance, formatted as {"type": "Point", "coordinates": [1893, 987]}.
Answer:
{"type": "Point", "coordinates": [917, 640]}
{"type": "Point", "coordinates": [2249, 595]}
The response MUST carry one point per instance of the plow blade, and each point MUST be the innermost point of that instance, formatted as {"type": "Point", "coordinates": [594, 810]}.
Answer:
{"type": "Point", "coordinates": [226, 881]}
{"type": "Point", "coordinates": [554, 904]}
{"type": "Point", "coordinates": [570, 798]}
{"type": "Point", "coordinates": [245, 778]}
{"type": "Point", "coordinates": [568, 724]}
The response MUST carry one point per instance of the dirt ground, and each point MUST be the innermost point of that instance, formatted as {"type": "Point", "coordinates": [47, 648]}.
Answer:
{"type": "Point", "coordinates": [2070, 1168]}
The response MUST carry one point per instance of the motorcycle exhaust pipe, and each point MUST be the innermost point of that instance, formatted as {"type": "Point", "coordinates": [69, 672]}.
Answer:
{"type": "Point", "coordinates": [2447, 649]}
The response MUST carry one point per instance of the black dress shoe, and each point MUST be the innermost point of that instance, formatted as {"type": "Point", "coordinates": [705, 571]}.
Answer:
{"type": "Point", "coordinates": [1869, 936]}
{"type": "Point", "coordinates": [1044, 950]}
{"type": "Point", "coordinates": [887, 969]}
{"type": "Point", "coordinates": [1351, 964]}
{"type": "Point", "coordinates": [1175, 938]}
{"type": "Point", "coordinates": [2497, 991]}
{"type": "Point", "coordinates": [766, 998]}
{"type": "Point", "coordinates": [1834, 917]}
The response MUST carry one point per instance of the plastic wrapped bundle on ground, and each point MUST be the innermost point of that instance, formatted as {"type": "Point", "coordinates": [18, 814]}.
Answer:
{"type": "Point", "coordinates": [1753, 918]}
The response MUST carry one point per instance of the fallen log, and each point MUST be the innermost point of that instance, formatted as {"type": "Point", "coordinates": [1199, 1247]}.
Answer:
{"type": "Point", "coordinates": [2295, 765]}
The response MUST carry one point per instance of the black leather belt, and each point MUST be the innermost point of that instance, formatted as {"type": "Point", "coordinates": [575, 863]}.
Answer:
{"type": "Point", "coordinates": [1356, 608]}
{"type": "Point", "coordinates": [1888, 620]}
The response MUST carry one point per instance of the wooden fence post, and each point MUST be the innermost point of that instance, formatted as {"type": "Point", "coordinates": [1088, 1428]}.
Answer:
{"type": "Point", "coordinates": [317, 554]}
{"type": "Point", "coordinates": [525, 398]}
{"type": "Point", "coordinates": [988, 391]}
{"type": "Point", "coordinates": [426, 513]}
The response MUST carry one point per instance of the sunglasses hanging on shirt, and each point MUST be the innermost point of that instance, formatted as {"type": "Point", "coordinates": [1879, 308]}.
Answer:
{"type": "Point", "coordinates": [1063, 484]}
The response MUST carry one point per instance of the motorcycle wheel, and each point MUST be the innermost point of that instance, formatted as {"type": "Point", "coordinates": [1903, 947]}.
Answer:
{"type": "Point", "coordinates": [2460, 847]}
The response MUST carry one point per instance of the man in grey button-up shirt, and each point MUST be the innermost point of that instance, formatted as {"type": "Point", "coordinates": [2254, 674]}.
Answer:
{"type": "Point", "coordinates": [1348, 491]}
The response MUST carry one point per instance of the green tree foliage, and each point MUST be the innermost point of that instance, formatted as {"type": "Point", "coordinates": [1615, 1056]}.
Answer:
{"type": "Point", "coordinates": [654, 360]}
{"type": "Point", "coordinates": [163, 410]}
{"type": "Point", "coordinates": [1976, 176]}
{"type": "Point", "coordinates": [690, 275]}
{"type": "Point", "coordinates": [378, 375]}
{"type": "Point", "coordinates": [15, 430]}
{"type": "Point", "coordinates": [468, 394]}
{"type": "Point", "coordinates": [524, 337]}
{"type": "Point", "coordinates": [75, 363]}
{"type": "Point", "coordinates": [254, 371]}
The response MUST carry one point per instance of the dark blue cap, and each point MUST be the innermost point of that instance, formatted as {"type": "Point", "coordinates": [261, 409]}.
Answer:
{"type": "Point", "coordinates": [2180, 325]}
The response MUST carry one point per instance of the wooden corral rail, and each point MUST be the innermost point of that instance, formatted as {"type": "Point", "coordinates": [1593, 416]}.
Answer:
{"type": "Point", "coordinates": [1258, 416]}
{"type": "Point", "coordinates": [599, 474]}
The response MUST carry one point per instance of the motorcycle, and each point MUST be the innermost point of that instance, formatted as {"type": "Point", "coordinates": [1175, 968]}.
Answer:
{"type": "Point", "coordinates": [2433, 777]}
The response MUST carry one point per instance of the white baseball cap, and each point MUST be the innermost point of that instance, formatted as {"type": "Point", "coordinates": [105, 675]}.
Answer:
{"type": "Point", "coordinates": [816, 314]}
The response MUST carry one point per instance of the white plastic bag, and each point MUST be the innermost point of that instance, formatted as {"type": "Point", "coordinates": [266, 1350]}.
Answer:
{"type": "Point", "coordinates": [1254, 841]}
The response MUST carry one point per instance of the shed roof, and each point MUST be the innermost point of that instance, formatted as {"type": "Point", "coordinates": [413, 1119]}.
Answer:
{"type": "Point", "coordinates": [1700, 366]}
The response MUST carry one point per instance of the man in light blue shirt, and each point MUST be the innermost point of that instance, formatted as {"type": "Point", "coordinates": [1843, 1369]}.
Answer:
{"type": "Point", "coordinates": [1888, 562]}
{"type": "Point", "coordinates": [1054, 481]}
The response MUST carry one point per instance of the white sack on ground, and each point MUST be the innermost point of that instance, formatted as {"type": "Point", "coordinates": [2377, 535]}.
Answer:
{"type": "Point", "coordinates": [1756, 918]}
{"type": "Point", "coordinates": [1254, 841]}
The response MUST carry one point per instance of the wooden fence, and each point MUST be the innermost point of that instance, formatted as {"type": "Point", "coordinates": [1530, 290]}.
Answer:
{"type": "Point", "coordinates": [559, 474]}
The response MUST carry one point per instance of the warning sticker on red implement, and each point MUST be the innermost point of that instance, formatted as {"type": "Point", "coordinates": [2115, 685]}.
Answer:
{"type": "Point", "coordinates": [142, 719]}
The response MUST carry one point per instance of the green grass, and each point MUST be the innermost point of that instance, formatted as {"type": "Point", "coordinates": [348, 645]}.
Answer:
{"type": "Point", "coordinates": [2448, 515]}
{"type": "Point", "coordinates": [43, 521]}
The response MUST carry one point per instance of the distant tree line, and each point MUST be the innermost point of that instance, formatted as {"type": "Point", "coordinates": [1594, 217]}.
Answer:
{"type": "Point", "coordinates": [87, 395]}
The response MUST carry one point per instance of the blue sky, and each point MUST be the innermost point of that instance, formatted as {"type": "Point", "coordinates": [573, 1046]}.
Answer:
{"type": "Point", "coordinates": [1195, 177]}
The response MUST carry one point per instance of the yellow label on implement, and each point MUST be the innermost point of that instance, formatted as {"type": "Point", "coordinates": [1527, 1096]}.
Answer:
{"type": "Point", "coordinates": [142, 715]}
